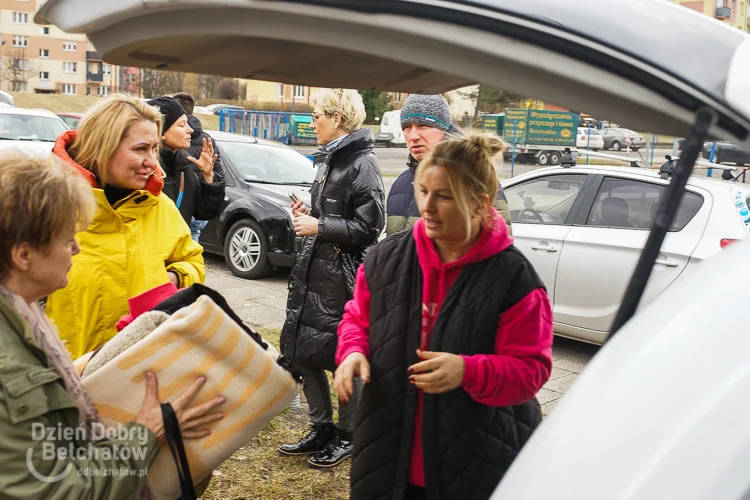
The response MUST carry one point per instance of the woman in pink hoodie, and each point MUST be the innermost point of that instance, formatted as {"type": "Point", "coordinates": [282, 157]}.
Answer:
{"type": "Point", "coordinates": [451, 329]}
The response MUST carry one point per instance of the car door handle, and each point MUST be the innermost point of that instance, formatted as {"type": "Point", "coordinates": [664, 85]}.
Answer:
{"type": "Point", "coordinates": [667, 262]}
{"type": "Point", "coordinates": [546, 248]}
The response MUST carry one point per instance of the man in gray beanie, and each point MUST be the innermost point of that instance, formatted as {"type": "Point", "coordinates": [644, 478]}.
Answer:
{"type": "Point", "coordinates": [426, 121]}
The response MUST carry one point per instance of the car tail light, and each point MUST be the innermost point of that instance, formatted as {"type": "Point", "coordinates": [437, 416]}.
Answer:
{"type": "Point", "coordinates": [726, 242]}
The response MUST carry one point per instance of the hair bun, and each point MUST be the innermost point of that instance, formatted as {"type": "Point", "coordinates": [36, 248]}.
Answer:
{"type": "Point", "coordinates": [489, 145]}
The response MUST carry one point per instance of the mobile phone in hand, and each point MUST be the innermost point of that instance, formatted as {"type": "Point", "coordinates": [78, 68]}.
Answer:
{"type": "Point", "coordinates": [293, 196]}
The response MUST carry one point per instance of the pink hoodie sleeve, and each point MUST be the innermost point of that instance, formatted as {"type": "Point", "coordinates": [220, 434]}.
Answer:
{"type": "Point", "coordinates": [522, 361]}
{"type": "Point", "coordinates": [354, 327]}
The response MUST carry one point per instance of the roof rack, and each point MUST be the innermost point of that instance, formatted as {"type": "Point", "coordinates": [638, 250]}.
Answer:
{"type": "Point", "coordinates": [569, 158]}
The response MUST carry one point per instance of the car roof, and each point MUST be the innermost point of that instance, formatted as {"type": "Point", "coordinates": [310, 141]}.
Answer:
{"type": "Point", "coordinates": [27, 112]}
{"type": "Point", "coordinates": [708, 183]}
{"type": "Point", "coordinates": [247, 139]}
{"type": "Point", "coordinates": [72, 115]}
{"type": "Point", "coordinates": [573, 53]}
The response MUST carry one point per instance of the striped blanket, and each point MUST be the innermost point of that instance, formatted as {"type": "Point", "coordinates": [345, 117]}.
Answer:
{"type": "Point", "coordinates": [196, 340]}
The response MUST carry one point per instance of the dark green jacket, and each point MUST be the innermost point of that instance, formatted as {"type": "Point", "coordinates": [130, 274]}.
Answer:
{"type": "Point", "coordinates": [33, 397]}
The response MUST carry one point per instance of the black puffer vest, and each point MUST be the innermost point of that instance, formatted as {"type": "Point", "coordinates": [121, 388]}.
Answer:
{"type": "Point", "coordinates": [468, 446]}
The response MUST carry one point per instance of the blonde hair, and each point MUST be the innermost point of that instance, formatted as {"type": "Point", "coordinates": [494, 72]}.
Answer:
{"type": "Point", "coordinates": [348, 103]}
{"type": "Point", "coordinates": [471, 164]}
{"type": "Point", "coordinates": [41, 199]}
{"type": "Point", "coordinates": [104, 126]}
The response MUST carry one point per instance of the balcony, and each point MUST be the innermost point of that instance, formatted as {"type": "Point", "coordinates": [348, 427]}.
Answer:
{"type": "Point", "coordinates": [94, 77]}
{"type": "Point", "coordinates": [723, 12]}
{"type": "Point", "coordinates": [92, 56]}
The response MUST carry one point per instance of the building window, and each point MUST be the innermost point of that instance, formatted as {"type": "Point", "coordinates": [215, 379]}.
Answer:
{"type": "Point", "coordinates": [69, 89]}
{"type": "Point", "coordinates": [70, 67]}
{"type": "Point", "coordinates": [281, 90]}
{"type": "Point", "coordinates": [20, 87]}
{"type": "Point", "coordinates": [44, 53]}
{"type": "Point", "coordinates": [299, 91]}
{"type": "Point", "coordinates": [21, 64]}
{"type": "Point", "coordinates": [106, 69]}
{"type": "Point", "coordinates": [88, 90]}
{"type": "Point", "coordinates": [69, 46]}
{"type": "Point", "coordinates": [20, 18]}
{"type": "Point", "coordinates": [130, 78]}
{"type": "Point", "coordinates": [44, 30]}
{"type": "Point", "coordinates": [93, 67]}
{"type": "Point", "coordinates": [20, 41]}
{"type": "Point", "coordinates": [103, 90]}
{"type": "Point", "coordinates": [44, 75]}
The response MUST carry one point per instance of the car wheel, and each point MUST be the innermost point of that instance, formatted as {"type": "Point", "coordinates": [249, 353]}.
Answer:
{"type": "Point", "coordinates": [555, 158]}
{"type": "Point", "coordinates": [245, 250]}
{"type": "Point", "coordinates": [616, 146]}
{"type": "Point", "coordinates": [543, 158]}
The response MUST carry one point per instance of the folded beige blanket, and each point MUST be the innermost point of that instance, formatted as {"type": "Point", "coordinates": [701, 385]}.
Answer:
{"type": "Point", "coordinates": [197, 340]}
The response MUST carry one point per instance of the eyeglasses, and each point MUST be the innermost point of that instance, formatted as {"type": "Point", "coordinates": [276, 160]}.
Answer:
{"type": "Point", "coordinates": [317, 116]}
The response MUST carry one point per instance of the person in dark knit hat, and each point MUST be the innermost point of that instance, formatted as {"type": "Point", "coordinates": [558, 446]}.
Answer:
{"type": "Point", "coordinates": [196, 193]}
{"type": "Point", "coordinates": [187, 102]}
{"type": "Point", "coordinates": [426, 121]}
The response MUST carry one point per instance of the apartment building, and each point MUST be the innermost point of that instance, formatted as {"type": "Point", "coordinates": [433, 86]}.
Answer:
{"type": "Point", "coordinates": [733, 12]}
{"type": "Point", "coordinates": [46, 60]}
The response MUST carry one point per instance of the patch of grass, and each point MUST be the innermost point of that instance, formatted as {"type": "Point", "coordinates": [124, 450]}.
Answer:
{"type": "Point", "coordinates": [259, 472]}
{"type": "Point", "coordinates": [209, 122]}
{"type": "Point", "coordinates": [56, 103]}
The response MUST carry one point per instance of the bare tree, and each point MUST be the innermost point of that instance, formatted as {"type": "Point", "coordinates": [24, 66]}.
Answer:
{"type": "Point", "coordinates": [490, 100]}
{"type": "Point", "coordinates": [16, 69]}
{"type": "Point", "coordinates": [207, 85]}
{"type": "Point", "coordinates": [156, 82]}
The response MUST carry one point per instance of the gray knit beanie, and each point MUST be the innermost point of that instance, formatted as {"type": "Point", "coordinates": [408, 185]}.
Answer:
{"type": "Point", "coordinates": [430, 110]}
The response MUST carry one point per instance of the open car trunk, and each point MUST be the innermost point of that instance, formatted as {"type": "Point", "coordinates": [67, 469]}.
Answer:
{"type": "Point", "coordinates": [647, 64]}
{"type": "Point", "coordinates": [571, 53]}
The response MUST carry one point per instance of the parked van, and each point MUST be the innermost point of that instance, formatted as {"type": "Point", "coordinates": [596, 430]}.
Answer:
{"type": "Point", "coordinates": [391, 135]}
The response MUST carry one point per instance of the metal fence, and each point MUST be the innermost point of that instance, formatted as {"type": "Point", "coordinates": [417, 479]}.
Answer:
{"type": "Point", "coordinates": [287, 128]}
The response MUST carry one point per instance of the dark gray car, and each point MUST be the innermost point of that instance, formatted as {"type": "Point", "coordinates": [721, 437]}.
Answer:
{"type": "Point", "coordinates": [622, 138]}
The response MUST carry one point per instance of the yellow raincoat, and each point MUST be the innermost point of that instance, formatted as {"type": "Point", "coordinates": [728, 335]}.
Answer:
{"type": "Point", "coordinates": [126, 250]}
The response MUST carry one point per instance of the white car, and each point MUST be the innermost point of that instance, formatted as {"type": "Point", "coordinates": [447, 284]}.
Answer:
{"type": "Point", "coordinates": [583, 229]}
{"type": "Point", "coordinates": [589, 138]}
{"type": "Point", "coordinates": [30, 129]}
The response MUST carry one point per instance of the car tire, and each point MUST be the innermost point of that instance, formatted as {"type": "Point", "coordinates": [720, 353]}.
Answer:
{"type": "Point", "coordinates": [246, 250]}
{"type": "Point", "coordinates": [616, 146]}
{"type": "Point", "coordinates": [555, 158]}
{"type": "Point", "coordinates": [543, 158]}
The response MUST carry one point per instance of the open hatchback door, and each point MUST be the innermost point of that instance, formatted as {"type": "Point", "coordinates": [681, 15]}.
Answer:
{"type": "Point", "coordinates": [659, 412]}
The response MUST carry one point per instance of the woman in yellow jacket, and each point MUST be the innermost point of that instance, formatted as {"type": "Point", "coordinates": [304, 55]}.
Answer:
{"type": "Point", "coordinates": [137, 239]}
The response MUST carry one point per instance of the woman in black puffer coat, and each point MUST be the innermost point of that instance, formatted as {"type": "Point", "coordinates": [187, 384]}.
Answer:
{"type": "Point", "coordinates": [346, 217]}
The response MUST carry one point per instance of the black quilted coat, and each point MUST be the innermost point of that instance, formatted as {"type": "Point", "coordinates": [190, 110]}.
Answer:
{"type": "Point", "coordinates": [348, 201]}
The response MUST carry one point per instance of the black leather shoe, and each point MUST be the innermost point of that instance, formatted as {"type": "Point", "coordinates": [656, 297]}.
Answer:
{"type": "Point", "coordinates": [314, 442]}
{"type": "Point", "coordinates": [338, 450]}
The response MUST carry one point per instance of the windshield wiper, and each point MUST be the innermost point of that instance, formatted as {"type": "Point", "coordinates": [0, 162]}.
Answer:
{"type": "Point", "coordinates": [664, 217]}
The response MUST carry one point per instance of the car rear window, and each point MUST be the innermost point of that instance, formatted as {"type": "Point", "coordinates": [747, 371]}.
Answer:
{"type": "Point", "coordinates": [635, 205]}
